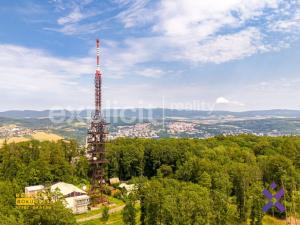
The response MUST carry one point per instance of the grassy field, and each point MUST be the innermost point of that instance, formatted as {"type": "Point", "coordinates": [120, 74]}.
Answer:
{"type": "Point", "coordinates": [114, 219]}
{"type": "Point", "coordinates": [14, 139]}
{"type": "Point", "coordinates": [268, 220]}
{"type": "Point", "coordinates": [41, 136]}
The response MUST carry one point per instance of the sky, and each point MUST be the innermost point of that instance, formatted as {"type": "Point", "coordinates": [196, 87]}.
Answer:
{"type": "Point", "coordinates": [233, 55]}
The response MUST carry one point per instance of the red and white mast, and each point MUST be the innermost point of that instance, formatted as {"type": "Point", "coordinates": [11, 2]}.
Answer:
{"type": "Point", "coordinates": [96, 139]}
{"type": "Point", "coordinates": [98, 82]}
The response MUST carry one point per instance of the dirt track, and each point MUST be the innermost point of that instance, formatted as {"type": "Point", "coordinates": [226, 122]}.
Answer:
{"type": "Point", "coordinates": [97, 216]}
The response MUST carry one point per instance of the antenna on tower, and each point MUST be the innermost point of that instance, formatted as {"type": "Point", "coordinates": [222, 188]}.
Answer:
{"type": "Point", "coordinates": [98, 55]}
{"type": "Point", "coordinates": [98, 82]}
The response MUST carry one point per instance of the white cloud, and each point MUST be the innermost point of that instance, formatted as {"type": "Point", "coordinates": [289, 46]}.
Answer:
{"type": "Point", "coordinates": [73, 17]}
{"type": "Point", "coordinates": [31, 76]}
{"type": "Point", "coordinates": [151, 72]}
{"type": "Point", "coordinates": [205, 31]}
{"type": "Point", "coordinates": [135, 14]}
{"type": "Point", "coordinates": [135, 51]}
{"type": "Point", "coordinates": [202, 18]}
{"type": "Point", "coordinates": [193, 21]}
{"type": "Point", "coordinates": [124, 60]}
{"type": "Point", "coordinates": [34, 79]}
{"type": "Point", "coordinates": [74, 22]}
{"type": "Point", "coordinates": [187, 30]}
{"type": "Point", "coordinates": [225, 101]}
{"type": "Point", "coordinates": [222, 100]}
{"type": "Point", "coordinates": [77, 29]}
{"type": "Point", "coordinates": [35, 76]}
{"type": "Point", "coordinates": [289, 25]}
{"type": "Point", "coordinates": [221, 48]}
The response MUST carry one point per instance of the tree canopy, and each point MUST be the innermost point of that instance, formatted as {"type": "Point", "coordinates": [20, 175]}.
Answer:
{"type": "Point", "coordinates": [179, 181]}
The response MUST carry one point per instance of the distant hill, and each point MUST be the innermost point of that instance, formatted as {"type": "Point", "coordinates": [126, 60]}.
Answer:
{"type": "Point", "coordinates": [20, 114]}
{"type": "Point", "coordinates": [155, 113]}
{"type": "Point", "coordinates": [156, 123]}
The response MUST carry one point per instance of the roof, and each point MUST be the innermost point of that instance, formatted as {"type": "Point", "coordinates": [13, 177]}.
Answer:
{"type": "Point", "coordinates": [114, 180]}
{"type": "Point", "coordinates": [66, 188]}
{"type": "Point", "coordinates": [34, 188]}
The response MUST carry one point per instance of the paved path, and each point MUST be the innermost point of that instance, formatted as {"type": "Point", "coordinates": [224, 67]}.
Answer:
{"type": "Point", "coordinates": [97, 216]}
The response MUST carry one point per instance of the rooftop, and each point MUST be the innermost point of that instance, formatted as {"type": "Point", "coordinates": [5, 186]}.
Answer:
{"type": "Point", "coordinates": [66, 188]}
{"type": "Point", "coordinates": [34, 188]}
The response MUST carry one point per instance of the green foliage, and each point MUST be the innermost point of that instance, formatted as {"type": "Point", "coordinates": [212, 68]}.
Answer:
{"type": "Point", "coordinates": [234, 170]}
{"type": "Point", "coordinates": [164, 171]}
{"type": "Point", "coordinates": [54, 214]}
{"type": "Point", "coordinates": [178, 181]}
{"type": "Point", "coordinates": [105, 214]}
{"type": "Point", "coordinates": [32, 163]}
{"type": "Point", "coordinates": [10, 220]}
{"type": "Point", "coordinates": [37, 162]}
{"type": "Point", "coordinates": [168, 201]}
{"type": "Point", "coordinates": [205, 180]}
{"type": "Point", "coordinates": [129, 212]}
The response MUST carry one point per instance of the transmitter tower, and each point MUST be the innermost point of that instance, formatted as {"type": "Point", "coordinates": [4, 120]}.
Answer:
{"type": "Point", "coordinates": [96, 137]}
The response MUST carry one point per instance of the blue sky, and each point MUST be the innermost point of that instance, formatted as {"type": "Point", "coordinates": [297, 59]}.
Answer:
{"type": "Point", "coordinates": [224, 55]}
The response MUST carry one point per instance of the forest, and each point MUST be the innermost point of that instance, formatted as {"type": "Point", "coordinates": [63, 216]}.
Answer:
{"type": "Point", "coordinates": [178, 181]}
{"type": "Point", "coordinates": [209, 181]}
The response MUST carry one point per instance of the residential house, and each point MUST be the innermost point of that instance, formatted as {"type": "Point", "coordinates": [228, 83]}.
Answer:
{"type": "Point", "coordinates": [76, 199]}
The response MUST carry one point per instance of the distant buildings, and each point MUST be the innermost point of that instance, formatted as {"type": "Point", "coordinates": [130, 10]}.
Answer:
{"type": "Point", "coordinates": [141, 130]}
{"type": "Point", "coordinates": [10, 131]}
{"type": "Point", "coordinates": [181, 127]}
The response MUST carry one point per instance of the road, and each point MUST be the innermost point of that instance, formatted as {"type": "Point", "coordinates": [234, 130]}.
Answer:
{"type": "Point", "coordinates": [97, 216]}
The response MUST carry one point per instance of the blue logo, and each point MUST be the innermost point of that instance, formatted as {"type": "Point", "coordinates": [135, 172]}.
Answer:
{"type": "Point", "coordinates": [274, 200]}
